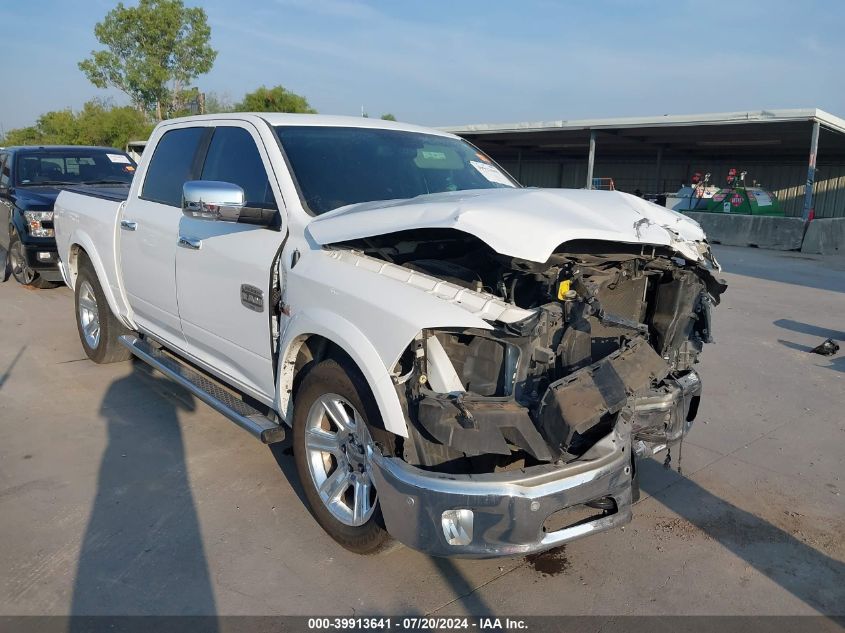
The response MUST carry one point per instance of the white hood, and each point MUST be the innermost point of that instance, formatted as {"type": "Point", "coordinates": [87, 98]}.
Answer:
{"type": "Point", "coordinates": [523, 223]}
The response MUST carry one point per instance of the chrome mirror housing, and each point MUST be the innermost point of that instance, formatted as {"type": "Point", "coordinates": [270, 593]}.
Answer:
{"type": "Point", "coordinates": [212, 200]}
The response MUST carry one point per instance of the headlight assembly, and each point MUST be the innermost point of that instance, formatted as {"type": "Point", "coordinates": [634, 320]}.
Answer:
{"type": "Point", "coordinates": [39, 223]}
{"type": "Point", "coordinates": [481, 365]}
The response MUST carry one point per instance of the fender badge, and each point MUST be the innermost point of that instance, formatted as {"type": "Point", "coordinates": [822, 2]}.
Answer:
{"type": "Point", "coordinates": [252, 297]}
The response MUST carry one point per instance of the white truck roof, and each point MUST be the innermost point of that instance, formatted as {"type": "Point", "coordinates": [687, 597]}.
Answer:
{"type": "Point", "coordinates": [326, 120]}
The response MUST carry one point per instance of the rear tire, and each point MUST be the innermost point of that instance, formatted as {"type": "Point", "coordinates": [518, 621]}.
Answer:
{"type": "Point", "coordinates": [333, 415]}
{"type": "Point", "coordinates": [99, 330]}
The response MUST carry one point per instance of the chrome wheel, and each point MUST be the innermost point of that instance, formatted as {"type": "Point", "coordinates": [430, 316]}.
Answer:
{"type": "Point", "coordinates": [89, 315]}
{"type": "Point", "coordinates": [20, 269]}
{"type": "Point", "coordinates": [338, 452]}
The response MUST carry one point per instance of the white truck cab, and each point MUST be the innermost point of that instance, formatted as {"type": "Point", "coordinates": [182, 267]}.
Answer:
{"type": "Point", "coordinates": [466, 365]}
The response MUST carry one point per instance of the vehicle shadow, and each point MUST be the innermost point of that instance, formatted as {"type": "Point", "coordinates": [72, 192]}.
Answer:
{"type": "Point", "coordinates": [142, 553]}
{"type": "Point", "coordinates": [283, 454]}
{"type": "Point", "coordinates": [808, 574]}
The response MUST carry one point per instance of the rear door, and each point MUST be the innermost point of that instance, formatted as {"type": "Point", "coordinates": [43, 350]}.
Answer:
{"type": "Point", "coordinates": [222, 328]}
{"type": "Point", "coordinates": [149, 230]}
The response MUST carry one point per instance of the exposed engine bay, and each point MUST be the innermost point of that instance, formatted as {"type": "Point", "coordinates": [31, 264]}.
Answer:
{"type": "Point", "coordinates": [612, 333]}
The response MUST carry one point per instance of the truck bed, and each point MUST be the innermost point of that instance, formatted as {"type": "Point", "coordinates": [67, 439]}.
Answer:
{"type": "Point", "coordinates": [116, 193]}
{"type": "Point", "coordinates": [90, 216]}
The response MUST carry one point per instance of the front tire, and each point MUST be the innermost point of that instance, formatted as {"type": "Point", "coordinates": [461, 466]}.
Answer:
{"type": "Point", "coordinates": [21, 270]}
{"type": "Point", "coordinates": [333, 414]}
{"type": "Point", "coordinates": [99, 330]}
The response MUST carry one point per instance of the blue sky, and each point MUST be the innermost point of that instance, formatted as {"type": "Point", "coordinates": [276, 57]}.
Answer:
{"type": "Point", "coordinates": [439, 62]}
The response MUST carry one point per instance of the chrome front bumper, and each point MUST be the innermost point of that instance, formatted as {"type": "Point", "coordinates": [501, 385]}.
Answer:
{"type": "Point", "coordinates": [503, 514]}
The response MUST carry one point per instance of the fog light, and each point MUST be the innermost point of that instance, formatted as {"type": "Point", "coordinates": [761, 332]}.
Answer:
{"type": "Point", "coordinates": [45, 257]}
{"type": "Point", "coordinates": [457, 526]}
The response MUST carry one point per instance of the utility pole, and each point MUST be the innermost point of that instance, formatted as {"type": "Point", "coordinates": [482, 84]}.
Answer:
{"type": "Point", "coordinates": [811, 174]}
{"type": "Point", "coordinates": [658, 171]}
{"type": "Point", "coordinates": [591, 159]}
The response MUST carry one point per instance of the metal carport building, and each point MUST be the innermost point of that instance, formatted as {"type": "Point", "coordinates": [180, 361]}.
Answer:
{"type": "Point", "coordinates": [658, 154]}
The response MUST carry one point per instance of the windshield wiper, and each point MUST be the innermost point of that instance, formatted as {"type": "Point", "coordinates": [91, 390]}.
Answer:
{"type": "Point", "coordinates": [42, 183]}
{"type": "Point", "coordinates": [103, 182]}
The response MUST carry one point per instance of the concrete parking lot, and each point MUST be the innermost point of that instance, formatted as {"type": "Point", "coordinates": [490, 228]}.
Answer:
{"type": "Point", "coordinates": [121, 494]}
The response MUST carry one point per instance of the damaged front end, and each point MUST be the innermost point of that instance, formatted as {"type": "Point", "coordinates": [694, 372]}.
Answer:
{"type": "Point", "coordinates": [608, 332]}
{"type": "Point", "coordinates": [549, 405]}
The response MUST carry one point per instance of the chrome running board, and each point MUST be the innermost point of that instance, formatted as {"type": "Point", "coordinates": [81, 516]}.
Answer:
{"type": "Point", "coordinates": [214, 395]}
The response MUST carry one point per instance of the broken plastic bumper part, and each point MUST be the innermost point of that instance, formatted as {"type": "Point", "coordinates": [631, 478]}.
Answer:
{"type": "Point", "coordinates": [508, 513]}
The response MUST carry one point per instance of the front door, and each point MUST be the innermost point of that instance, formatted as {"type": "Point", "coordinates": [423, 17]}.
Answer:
{"type": "Point", "coordinates": [149, 231]}
{"type": "Point", "coordinates": [223, 281]}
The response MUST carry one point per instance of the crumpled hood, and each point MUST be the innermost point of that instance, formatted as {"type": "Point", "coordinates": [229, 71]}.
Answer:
{"type": "Point", "coordinates": [523, 223]}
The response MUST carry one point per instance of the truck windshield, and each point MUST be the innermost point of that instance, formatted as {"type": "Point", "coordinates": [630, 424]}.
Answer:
{"type": "Point", "coordinates": [336, 166]}
{"type": "Point", "coordinates": [73, 166]}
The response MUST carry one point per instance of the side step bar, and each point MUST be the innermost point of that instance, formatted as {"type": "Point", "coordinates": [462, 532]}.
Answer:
{"type": "Point", "coordinates": [206, 390]}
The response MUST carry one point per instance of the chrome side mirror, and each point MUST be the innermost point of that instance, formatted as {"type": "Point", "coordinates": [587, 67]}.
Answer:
{"type": "Point", "coordinates": [212, 200]}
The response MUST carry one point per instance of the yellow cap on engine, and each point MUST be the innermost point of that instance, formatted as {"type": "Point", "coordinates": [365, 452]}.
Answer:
{"type": "Point", "coordinates": [562, 289]}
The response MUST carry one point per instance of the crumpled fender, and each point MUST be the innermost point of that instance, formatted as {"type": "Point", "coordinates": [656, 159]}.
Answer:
{"type": "Point", "coordinates": [355, 343]}
{"type": "Point", "coordinates": [371, 316]}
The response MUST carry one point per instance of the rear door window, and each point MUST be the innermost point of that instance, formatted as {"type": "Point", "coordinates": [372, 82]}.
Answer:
{"type": "Point", "coordinates": [172, 165]}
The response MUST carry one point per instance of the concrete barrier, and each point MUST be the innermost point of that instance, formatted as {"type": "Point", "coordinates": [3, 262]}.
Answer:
{"type": "Point", "coordinates": [764, 231]}
{"type": "Point", "coordinates": [825, 236]}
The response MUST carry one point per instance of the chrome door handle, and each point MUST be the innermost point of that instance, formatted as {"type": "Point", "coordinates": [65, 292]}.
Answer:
{"type": "Point", "coordinates": [190, 242]}
{"type": "Point", "coordinates": [126, 225]}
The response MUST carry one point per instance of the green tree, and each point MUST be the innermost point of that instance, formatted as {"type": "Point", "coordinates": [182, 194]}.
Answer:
{"type": "Point", "coordinates": [58, 127]}
{"type": "Point", "coordinates": [276, 99]}
{"type": "Point", "coordinates": [153, 52]}
{"type": "Point", "coordinates": [21, 136]}
{"type": "Point", "coordinates": [101, 124]}
{"type": "Point", "coordinates": [52, 128]}
{"type": "Point", "coordinates": [388, 117]}
{"type": "Point", "coordinates": [96, 124]}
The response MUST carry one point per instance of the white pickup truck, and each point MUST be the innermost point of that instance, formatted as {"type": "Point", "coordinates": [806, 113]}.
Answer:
{"type": "Point", "coordinates": [467, 365]}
